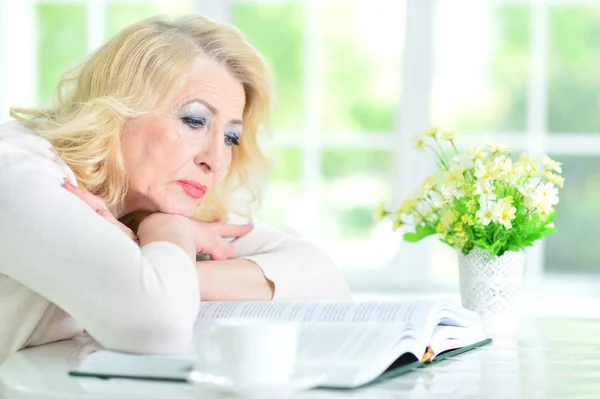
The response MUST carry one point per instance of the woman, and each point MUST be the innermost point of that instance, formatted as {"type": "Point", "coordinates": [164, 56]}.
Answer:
{"type": "Point", "coordinates": [161, 122]}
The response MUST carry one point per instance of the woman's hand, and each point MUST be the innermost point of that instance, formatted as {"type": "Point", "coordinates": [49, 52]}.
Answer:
{"type": "Point", "coordinates": [98, 205]}
{"type": "Point", "coordinates": [199, 237]}
{"type": "Point", "coordinates": [209, 238]}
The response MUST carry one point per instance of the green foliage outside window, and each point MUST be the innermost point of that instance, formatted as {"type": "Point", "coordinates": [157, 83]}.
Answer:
{"type": "Point", "coordinates": [352, 103]}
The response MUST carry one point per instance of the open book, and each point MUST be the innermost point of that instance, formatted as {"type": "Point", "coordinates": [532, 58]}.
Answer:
{"type": "Point", "coordinates": [352, 343]}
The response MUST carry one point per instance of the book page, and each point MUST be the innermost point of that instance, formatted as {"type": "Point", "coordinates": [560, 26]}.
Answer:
{"type": "Point", "coordinates": [451, 337]}
{"type": "Point", "coordinates": [332, 311]}
{"type": "Point", "coordinates": [351, 353]}
{"type": "Point", "coordinates": [412, 315]}
{"type": "Point", "coordinates": [347, 343]}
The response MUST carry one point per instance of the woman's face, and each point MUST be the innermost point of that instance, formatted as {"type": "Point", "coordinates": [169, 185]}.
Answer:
{"type": "Point", "coordinates": [174, 158]}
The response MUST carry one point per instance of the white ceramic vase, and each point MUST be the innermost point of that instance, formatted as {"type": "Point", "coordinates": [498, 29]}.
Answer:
{"type": "Point", "coordinates": [490, 285]}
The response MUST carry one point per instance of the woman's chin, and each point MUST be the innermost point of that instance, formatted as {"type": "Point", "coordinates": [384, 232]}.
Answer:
{"type": "Point", "coordinates": [180, 208]}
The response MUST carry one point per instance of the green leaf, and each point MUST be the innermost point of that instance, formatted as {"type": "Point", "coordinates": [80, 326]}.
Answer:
{"type": "Point", "coordinates": [421, 231]}
{"type": "Point", "coordinates": [550, 218]}
{"type": "Point", "coordinates": [547, 232]}
{"type": "Point", "coordinates": [412, 237]}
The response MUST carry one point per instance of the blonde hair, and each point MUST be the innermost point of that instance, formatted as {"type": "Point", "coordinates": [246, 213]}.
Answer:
{"type": "Point", "coordinates": [135, 73]}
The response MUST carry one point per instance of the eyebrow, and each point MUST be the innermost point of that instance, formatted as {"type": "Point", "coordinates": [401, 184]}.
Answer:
{"type": "Point", "coordinates": [212, 109]}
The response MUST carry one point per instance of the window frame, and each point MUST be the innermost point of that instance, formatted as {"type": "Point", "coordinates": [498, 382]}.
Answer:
{"type": "Point", "coordinates": [406, 272]}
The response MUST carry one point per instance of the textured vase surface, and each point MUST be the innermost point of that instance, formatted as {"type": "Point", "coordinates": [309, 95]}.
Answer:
{"type": "Point", "coordinates": [490, 285]}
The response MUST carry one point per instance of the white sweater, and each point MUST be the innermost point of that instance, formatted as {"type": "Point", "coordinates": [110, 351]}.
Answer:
{"type": "Point", "coordinates": [65, 269]}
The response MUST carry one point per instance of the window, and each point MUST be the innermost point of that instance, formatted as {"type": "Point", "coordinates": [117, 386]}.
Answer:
{"type": "Point", "coordinates": [527, 77]}
{"type": "Point", "coordinates": [356, 80]}
{"type": "Point", "coordinates": [338, 85]}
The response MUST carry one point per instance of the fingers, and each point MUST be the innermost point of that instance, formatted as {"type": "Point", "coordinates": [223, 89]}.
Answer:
{"type": "Point", "coordinates": [222, 252]}
{"type": "Point", "coordinates": [211, 239]}
{"type": "Point", "coordinates": [105, 213]}
{"type": "Point", "coordinates": [230, 230]}
{"type": "Point", "coordinates": [214, 246]}
{"type": "Point", "coordinates": [98, 205]}
{"type": "Point", "coordinates": [94, 202]}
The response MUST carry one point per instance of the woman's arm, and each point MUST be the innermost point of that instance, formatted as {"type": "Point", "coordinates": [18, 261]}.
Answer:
{"type": "Point", "coordinates": [233, 280]}
{"type": "Point", "coordinates": [272, 265]}
{"type": "Point", "coordinates": [128, 298]}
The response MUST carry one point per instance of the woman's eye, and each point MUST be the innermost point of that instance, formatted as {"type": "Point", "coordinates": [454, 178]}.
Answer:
{"type": "Point", "coordinates": [232, 139]}
{"type": "Point", "coordinates": [194, 123]}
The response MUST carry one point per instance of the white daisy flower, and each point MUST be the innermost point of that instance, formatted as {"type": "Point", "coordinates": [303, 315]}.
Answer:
{"type": "Point", "coordinates": [485, 214]}
{"type": "Point", "coordinates": [504, 212]}
{"type": "Point", "coordinates": [464, 160]}
{"type": "Point", "coordinates": [547, 192]}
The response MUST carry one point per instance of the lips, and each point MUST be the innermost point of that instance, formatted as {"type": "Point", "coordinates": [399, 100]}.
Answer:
{"type": "Point", "coordinates": [192, 188]}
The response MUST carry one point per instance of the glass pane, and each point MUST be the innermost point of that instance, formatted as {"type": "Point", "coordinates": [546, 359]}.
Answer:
{"type": "Point", "coordinates": [121, 15]}
{"type": "Point", "coordinates": [282, 204]}
{"type": "Point", "coordinates": [574, 56]}
{"type": "Point", "coordinates": [481, 65]}
{"type": "Point", "coordinates": [288, 164]}
{"type": "Point", "coordinates": [60, 44]}
{"type": "Point", "coordinates": [353, 183]}
{"type": "Point", "coordinates": [361, 50]}
{"type": "Point", "coordinates": [277, 32]}
{"type": "Point", "coordinates": [574, 248]}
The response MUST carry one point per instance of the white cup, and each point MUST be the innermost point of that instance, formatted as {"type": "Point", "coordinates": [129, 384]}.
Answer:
{"type": "Point", "coordinates": [249, 352]}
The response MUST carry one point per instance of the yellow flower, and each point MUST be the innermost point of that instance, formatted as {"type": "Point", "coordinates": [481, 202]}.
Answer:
{"type": "Point", "coordinates": [380, 212]}
{"type": "Point", "coordinates": [408, 205]}
{"type": "Point", "coordinates": [458, 230]}
{"type": "Point", "coordinates": [496, 148]}
{"type": "Point", "coordinates": [509, 199]}
{"type": "Point", "coordinates": [527, 160]}
{"type": "Point", "coordinates": [430, 180]}
{"type": "Point", "coordinates": [502, 167]}
{"type": "Point", "coordinates": [448, 135]}
{"type": "Point", "coordinates": [426, 187]}
{"type": "Point", "coordinates": [448, 218]}
{"type": "Point", "coordinates": [557, 180]}
{"type": "Point", "coordinates": [551, 164]}
{"type": "Point", "coordinates": [519, 171]}
{"type": "Point", "coordinates": [485, 172]}
{"type": "Point", "coordinates": [468, 189]}
{"type": "Point", "coordinates": [471, 205]}
{"type": "Point", "coordinates": [504, 213]}
{"type": "Point", "coordinates": [461, 242]}
{"type": "Point", "coordinates": [454, 174]}
{"type": "Point", "coordinates": [419, 143]}
{"type": "Point", "coordinates": [469, 219]}
{"type": "Point", "coordinates": [397, 224]}
{"type": "Point", "coordinates": [440, 228]}
{"type": "Point", "coordinates": [477, 153]}
{"type": "Point", "coordinates": [431, 132]}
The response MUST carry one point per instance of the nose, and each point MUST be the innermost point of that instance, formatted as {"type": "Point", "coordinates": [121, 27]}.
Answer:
{"type": "Point", "coordinates": [211, 155]}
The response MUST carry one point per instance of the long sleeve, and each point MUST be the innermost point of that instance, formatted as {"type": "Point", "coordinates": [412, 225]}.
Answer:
{"type": "Point", "coordinates": [298, 269]}
{"type": "Point", "coordinates": [127, 298]}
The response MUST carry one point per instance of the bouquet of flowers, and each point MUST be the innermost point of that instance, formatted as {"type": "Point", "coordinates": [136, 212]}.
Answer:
{"type": "Point", "coordinates": [480, 197]}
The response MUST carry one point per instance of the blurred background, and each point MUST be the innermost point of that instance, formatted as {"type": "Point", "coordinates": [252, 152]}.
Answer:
{"type": "Point", "coordinates": [357, 80]}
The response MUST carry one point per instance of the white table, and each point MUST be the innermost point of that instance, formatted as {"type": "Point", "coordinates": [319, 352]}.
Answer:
{"type": "Point", "coordinates": [551, 357]}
